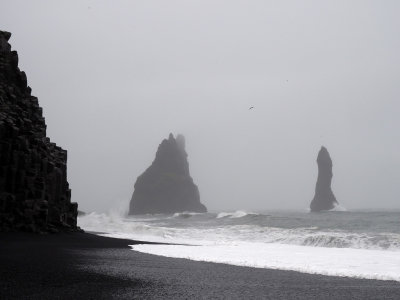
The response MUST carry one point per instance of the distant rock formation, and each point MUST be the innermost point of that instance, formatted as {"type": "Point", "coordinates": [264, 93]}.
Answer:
{"type": "Point", "coordinates": [324, 198]}
{"type": "Point", "coordinates": [34, 192]}
{"type": "Point", "coordinates": [166, 186]}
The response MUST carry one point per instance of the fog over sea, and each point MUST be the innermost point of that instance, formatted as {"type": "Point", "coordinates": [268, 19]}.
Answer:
{"type": "Point", "coordinates": [360, 244]}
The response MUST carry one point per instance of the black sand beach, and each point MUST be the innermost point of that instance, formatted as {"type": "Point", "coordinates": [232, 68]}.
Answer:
{"type": "Point", "coordinates": [87, 266]}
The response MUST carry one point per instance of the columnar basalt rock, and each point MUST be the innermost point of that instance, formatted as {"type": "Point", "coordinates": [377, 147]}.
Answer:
{"type": "Point", "coordinates": [34, 192]}
{"type": "Point", "coordinates": [166, 186]}
{"type": "Point", "coordinates": [324, 198]}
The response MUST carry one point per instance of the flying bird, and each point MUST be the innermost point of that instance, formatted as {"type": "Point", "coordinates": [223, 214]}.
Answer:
{"type": "Point", "coordinates": [251, 107]}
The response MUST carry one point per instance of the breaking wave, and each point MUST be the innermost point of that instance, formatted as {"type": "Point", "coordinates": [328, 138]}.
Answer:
{"type": "Point", "coordinates": [339, 207]}
{"type": "Point", "coordinates": [236, 214]}
{"type": "Point", "coordinates": [209, 229]}
{"type": "Point", "coordinates": [333, 239]}
{"type": "Point", "coordinates": [185, 214]}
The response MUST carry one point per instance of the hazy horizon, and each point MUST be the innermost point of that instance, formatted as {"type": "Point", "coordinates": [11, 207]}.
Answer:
{"type": "Point", "coordinates": [115, 78]}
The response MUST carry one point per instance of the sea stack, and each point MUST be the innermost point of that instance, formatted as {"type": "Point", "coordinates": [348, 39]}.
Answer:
{"type": "Point", "coordinates": [166, 186]}
{"type": "Point", "coordinates": [34, 192]}
{"type": "Point", "coordinates": [324, 198]}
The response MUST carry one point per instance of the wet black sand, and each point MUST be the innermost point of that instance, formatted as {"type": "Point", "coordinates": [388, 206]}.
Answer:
{"type": "Point", "coordinates": [86, 266]}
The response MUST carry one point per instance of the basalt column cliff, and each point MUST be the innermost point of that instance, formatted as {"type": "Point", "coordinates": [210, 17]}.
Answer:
{"type": "Point", "coordinates": [166, 186]}
{"type": "Point", "coordinates": [324, 198]}
{"type": "Point", "coordinates": [34, 192]}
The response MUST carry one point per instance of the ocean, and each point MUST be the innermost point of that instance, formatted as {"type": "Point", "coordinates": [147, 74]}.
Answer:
{"type": "Point", "coordinates": [359, 244]}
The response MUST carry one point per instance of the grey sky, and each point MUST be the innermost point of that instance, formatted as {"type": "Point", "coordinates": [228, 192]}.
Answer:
{"type": "Point", "coordinates": [115, 77]}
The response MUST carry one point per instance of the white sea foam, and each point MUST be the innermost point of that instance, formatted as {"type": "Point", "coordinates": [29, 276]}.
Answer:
{"type": "Point", "coordinates": [113, 225]}
{"type": "Point", "coordinates": [236, 214]}
{"type": "Point", "coordinates": [339, 207]}
{"type": "Point", "coordinates": [185, 214]}
{"type": "Point", "coordinates": [358, 263]}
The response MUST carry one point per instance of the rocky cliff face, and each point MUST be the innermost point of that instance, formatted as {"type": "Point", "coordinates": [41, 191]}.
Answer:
{"type": "Point", "coordinates": [324, 198]}
{"type": "Point", "coordinates": [34, 192]}
{"type": "Point", "coordinates": [166, 186]}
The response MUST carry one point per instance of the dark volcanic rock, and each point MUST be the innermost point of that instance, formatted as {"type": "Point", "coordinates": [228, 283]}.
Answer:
{"type": "Point", "coordinates": [166, 186]}
{"type": "Point", "coordinates": [324, 198]}
{"type": "Point", "coordinates": [34, 192]}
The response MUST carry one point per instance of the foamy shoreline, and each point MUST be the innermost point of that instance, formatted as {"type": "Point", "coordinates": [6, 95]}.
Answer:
{"type": "Point", "coordinates": [343, 262]}
{"type": "Point", "coordinates": [323, 244]}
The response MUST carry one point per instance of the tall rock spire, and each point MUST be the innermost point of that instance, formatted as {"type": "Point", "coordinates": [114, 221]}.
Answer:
{"type": "Point", "coordinates": [324, 198]}
{"type": "Point", "coordinates": [166, 186]}
{"type": "Point", "coordinates": [34, 192]}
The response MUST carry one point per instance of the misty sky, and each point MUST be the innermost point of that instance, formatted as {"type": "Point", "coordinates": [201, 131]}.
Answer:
{"type": "Point", "coordinates": [116, 77]}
